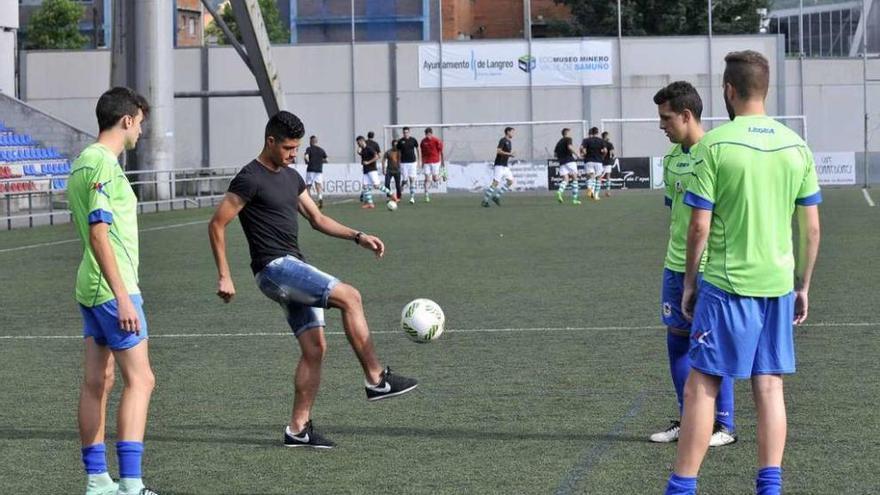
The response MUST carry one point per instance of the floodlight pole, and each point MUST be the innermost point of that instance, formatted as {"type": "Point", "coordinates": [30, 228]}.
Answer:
{"type": "Point", "coordinates": [619, 72]}
{"type": "Point", "coordinates": [711, 68]}
{"type": "Point", "coordinates": [527, 12]}
{"type": "Point", "coordinates": [353, 86]}
{"type": "Point", "coordinates": [865, 86]}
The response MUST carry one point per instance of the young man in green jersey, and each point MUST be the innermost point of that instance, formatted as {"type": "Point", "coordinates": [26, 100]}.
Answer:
{"type": "Point", "coordinates": [104, 211]}
{"type": "Point", "coordinates": [752, 176]}
{"type": "Point", "coordinates": [680, 108]}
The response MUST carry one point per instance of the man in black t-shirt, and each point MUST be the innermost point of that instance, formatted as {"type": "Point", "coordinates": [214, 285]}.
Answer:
{"type": "Point", "coordinates": [316, 157]}
{"type": "Point", "coordinates": [410, 156]}
{"type": "Point", "coordinates": [391, 168]}
{"type": "Point", "coordinates": [267, 195]}
{"type": "Point", "coordinates": [502, 177]}
{"type": "Point", "coordinates": [566, 156]}
{"type": "Point", "coordinates": [607, 164]}
{"type": "Point", "coordinates": [371, 142]}
{"type": "Point", "coordinates": [593, 152]}
{"type": "Point", "coordinates": [370, 158]}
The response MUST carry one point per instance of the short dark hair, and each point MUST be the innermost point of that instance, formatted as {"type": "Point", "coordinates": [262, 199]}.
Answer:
{"type": "Point", "coordinates": [594, 131]}
{"type": "Point", "coordinates": [507, 129]}
{"type": "Point", "coordinates": [564, 130]}
{"type": "Point", "coordinates": [406, 128]}
{"type": "Point", "coordinates": [312, 137]}
{"type": "Point", "coordinates": [371, 135]}
{"type": "Point", "coordinates": [604, 134]}
{"type": "Point", "coordinates": [359, 138]}
{"type": "Point", "coordinates": [428, 130]}
{"type": "Point", "coordinates": [285, 125]}
{"type": "Point", "coordinates": [748, 72]}
{"type": "Point", "coordinates": [118, 102]}
{"type": "Point", "coordinates": [681, 96]}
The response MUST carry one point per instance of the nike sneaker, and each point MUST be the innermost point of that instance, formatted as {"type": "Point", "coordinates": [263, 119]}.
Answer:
{"type": "Point", "coordinates": [669, 434]}
{"type": "Point", "coordinates": [308, 437]}
{"type": "Point", "coordinates": [721, 436]}
{"type": "Point", "coordinates": [390, 385]}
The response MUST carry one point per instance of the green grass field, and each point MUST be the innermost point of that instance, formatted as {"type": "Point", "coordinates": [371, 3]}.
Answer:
{"type": "Point", "coordinates": [551, 375]}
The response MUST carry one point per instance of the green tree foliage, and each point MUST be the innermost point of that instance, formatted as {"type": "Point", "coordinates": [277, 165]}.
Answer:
{"type": "Point", "coordinates": [277, 30]}
{"type": "Point", "coordinates": [659, 17]}
{"type": "Point", "coordinates": [55, 26]}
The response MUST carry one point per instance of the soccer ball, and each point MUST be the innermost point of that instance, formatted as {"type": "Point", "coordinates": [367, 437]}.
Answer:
{"type": "Point", "coordinates": [391, 205]}
{"type": "Point", "coordinates": [422, 320]}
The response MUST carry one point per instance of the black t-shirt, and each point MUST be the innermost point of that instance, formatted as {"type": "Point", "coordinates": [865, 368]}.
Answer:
{"type": "Point", "coordinates": [367, 154]}
{"type": "Point", "coordinates": [317, 155]}
{"type": "Point", "coordinates": [269, 216]}
{"type": "Point", "coordinates": [375, 146]}
{"type": "Point", "coordinates": [609, 159]}
{"type": "Point", "coordinates": [504, 145]}
{"type": "Point", "coordinates": [593, 146]}
{"type": "Point", "coordinates": [562, 151]}
{"type": "Point", "coordinates": [407, 148]}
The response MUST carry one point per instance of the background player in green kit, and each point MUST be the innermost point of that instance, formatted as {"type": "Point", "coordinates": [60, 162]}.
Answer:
{"type": "Point", "coordinates": [752, 176]}
{"type": "Point", "coordinates": [104, 210]}
{"type": "Point", "coordinates": [680, 108]}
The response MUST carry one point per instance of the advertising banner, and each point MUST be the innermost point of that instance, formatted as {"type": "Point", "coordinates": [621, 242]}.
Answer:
{"type": "Point", "coordinates": [551, 63]}
{"type": "Point", "coordinates": [836, 168]}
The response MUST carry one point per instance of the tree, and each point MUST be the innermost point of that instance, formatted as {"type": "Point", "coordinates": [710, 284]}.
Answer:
{"type": "Point", "coordinates": [55, 25]}
{"type": "Point", "coordinates": [277, 31]}
{"type": "Point", "coordinates": [660, 17]}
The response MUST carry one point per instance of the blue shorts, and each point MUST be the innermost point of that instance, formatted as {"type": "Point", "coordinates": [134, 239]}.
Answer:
{"type": "Point", "coordinates": [102, 323]}
{"type": "Point", "coordinates": [741, 336]}
{"type": "Point", "coordinates": [301, 289]}
{"type": "Point", "coordinates": [670, 299]}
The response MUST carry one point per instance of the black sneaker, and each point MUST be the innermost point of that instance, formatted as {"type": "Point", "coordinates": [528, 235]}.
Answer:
{"type": "Point", "coordinates": [390, 385]}
{"type": "Point", "coordinates": [147, 491]}
{"type": "Point", "coordinates": [307, 438]}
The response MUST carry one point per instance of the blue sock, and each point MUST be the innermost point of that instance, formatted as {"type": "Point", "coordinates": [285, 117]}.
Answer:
{"type": "Point", "coordinates": [129, 455]}
{"type": "Point", "coordinates": [679, 485]}
{"type": "Point", "coordinates": [677, 347]}
{"type": "Point", "coordinates": [94, 458]}
{"type": "Point", "coordinates": [724, 404]}
{"type": "Point", "coordinates": [769, 481]}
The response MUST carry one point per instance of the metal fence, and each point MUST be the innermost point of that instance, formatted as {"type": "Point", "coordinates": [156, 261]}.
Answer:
{"type": "Point", "coordinates": [42, 200]}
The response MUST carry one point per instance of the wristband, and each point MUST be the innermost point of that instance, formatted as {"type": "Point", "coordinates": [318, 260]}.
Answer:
{"type": "Point", "coordinates": [357, 238]}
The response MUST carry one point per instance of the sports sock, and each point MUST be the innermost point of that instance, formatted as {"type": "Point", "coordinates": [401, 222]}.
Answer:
{"type": "Point", "coordinates": [679, 485]}
{"type": "Point", "coordinates": [575, 189]}
{"type": "Point", "coordinates": [490, 191]}
{"type": "Point", "coordinates": [724, 404]}
{"type": "Point", "coordinates": [562, 186]}
{"type": "Point", "coordinates": [385, 190]}
{"type": "Point", "coordinates": [501, 190]}
{"type": "Point", "coordinates": [94, 458]}
{"type": "Point", "coordinates": [769, 481]}
{"type": "Point", "coordinates": [368, 197]}
{"type": "Point", "coordinates": [677, 347]}
{"type": "Point", "coordinates": [129, 455]}
{"type": "Point", "coordinates": [608, 184]}
{"type": "Point", "coordinates": [320, 195]}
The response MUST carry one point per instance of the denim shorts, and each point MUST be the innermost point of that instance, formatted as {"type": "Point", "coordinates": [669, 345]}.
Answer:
{"type": "Point", "coordinates": [301, 289]}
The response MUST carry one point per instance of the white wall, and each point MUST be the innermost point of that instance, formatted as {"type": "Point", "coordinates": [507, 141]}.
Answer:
{"type": "Point", "coordinates": [317, 81]}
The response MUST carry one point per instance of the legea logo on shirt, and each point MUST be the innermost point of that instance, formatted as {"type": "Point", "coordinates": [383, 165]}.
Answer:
{"type": "Point", "coordinates": [762, 130]}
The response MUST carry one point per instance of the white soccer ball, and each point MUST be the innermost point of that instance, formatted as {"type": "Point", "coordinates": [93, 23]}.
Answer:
{"type": "Point", "coordinates": [391, 205]}
{"type": "Point", "coordinates": [422, 320]}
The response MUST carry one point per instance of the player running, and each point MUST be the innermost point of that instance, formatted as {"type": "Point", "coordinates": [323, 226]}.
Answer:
{"type": "Point", "coordinates": [103, 207]}
{"type": "Point", "coordinates": [315, 157]}
{"type": "Point", "coordinates": [680, 109]}
{"type": "Point", "coordinates": [608, 163]}
{"type": "Point", "coordinates": [391, 169]}
{"type": "Point", "coordinates": [410, 157]}
{"type": "Point", "coordinates": [369, 162]}
{"type": "Point", "coordinates": [432, 158]}
{"type": "Point", "coordinates": [593, 152]}
{"type": "Point", "coordinates": [566, 156]}
{"type": "Point", "coordinates": [752, 175]}
{"type": "Point", "coordinates": [266, 196]}
{"type": "Point", "coordinates": [502, 177]}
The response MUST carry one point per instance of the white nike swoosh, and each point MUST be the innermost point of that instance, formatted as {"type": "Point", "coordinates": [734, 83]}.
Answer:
{"type": "Point", "coordinates": [383, 390]}
{"type": "Point", "coordinates": [304, 439]}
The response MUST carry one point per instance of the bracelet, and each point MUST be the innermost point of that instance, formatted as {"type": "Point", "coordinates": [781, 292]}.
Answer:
{"type": "Point", "coordinates": [357, 238]}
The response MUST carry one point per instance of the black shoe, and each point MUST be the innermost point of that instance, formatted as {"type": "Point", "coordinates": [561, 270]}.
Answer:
{"type": "Point", "coordinates": [390, 385]}
{"type": "Point", "coordinates": [147, 491]}
{"type": "Point", "coordinates": [307, 438]}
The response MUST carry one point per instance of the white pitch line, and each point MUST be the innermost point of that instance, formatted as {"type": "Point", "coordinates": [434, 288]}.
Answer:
{"type": "Point", "coordinates": [868, 197]}
{"type": "Point", "coordinates": [68, 241]}
{"type": "Point", "coordinates": [383, 332]}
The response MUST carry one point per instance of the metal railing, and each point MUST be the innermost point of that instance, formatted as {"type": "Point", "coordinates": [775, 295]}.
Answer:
{"type": "Point", "coordinates": [43, 202]}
